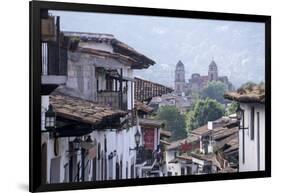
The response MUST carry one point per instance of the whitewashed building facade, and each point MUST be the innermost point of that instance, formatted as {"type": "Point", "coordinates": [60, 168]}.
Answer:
{"type": "Point", "coordinates": [94, 98]}
{"type": "Point", "coordinates": [251, 113]}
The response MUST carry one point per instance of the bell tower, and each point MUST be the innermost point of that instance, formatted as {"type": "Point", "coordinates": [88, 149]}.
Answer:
{"type": "Point", "coordinates": [179, 78]}
{"type": "Point", "coordinates": [213, 71]}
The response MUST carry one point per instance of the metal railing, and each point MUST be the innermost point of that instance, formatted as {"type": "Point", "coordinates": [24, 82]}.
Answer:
{"type": "Point", "coordinates": [112, 99]}
{"type": "Point", "coordinates": [54, 59]}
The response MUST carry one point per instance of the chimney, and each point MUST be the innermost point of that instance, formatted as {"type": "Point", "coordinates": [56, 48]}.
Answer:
{"type": "Point", "coordinates": [210, 125]}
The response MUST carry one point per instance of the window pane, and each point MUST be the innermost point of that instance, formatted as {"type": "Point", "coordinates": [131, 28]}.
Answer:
{"type": "Point", "coordinates": [252, 123]}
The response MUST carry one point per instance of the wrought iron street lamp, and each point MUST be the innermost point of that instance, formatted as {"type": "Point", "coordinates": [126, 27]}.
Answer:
{"type": "Point", "coordinates": [137, 140]}
{"type": "Point", "coordinates": [89, 139]}
{"type": "Point", "coordinates": [240, 118]}
{"type": "Point", "coordinates": [50, 119]}
{"type": "Point", "coordinates": [76, 143]}
{"type": "Point", "coordinates": [239, 113]}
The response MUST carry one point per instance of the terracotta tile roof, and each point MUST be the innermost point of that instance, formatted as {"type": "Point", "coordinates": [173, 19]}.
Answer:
{"type": "Point", "coordinates": [248, 94]}
{"type": "Point", "coordinates": [228, 170]}
{"type": "Point", "coordinates": [230, 139]}
{"type": "Point", "coordinates": [165, 133]}
{"type": "Point", "coordinates": [164, 142]}
{"type": "Point", "coordinates": [103, 54]}
{"type": "Point", "coordinates": [178, 143]}
{"type": "Point", "coordinates": [203, 130]}
{"type": "Point", "coordinates": [183, 159]}
{"type": "Point", "coordinates": [145, 90]}
{"type": "Point", "coordinates": [224, 132]}
{"type": "Point", "coordinates": [151, 123]}
{"type": "Point", "coordinates": [233, 145]}
{"type": "Point", "coordinates": [211, 158]}
{"type": "Point", "coordinates": [80, 110]}
{"type": "Point", "coordinates": [120, 48]}
{"type": "Point", "coordinates": [140, 106]}
{"type": "Point", "coordinates": [221, 126]}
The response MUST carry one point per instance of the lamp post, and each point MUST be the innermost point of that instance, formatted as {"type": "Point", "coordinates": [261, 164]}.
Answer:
{"type": "Point", "coordinates": [83, 152]}
{"type": "Point", "coordinates": [50, 119]}
{"type": "Point", "coordinates": [76, 143]}
{"type": "Point", "coordinates": [137, 140]}
{"type": "Point", "coordinates": [76, 147]}
{"type": "Point", "coordinates": [240, 116]}
{"type": "Point", "coordinates": [239, 113]}
{"type": "Point", "coordinates": [89, 139]}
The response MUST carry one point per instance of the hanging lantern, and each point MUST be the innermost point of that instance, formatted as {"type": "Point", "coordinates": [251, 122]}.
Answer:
{"type": "Point", "coordinates": [89, 139]}
{"type": "Point", "coordinates": [239, 113]}
{"type": "Point", "coordinates": [137, 138]}
{"type": "Point", "coordinates": [76, 143]}
{"type": "Point", "coordinates": [50, 119]}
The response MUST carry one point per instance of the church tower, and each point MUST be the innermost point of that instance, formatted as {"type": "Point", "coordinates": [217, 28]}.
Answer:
{"type": "Point", "coordinates": [213, 71]}
{"type": "Point", "coordinates": [179, 78]}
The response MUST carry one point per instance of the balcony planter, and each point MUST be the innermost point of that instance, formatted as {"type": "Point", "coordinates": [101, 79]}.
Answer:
{"type": "Point", "coordinates": [74, 43]}
{"type": "Point", "coordinates": [65, 43]}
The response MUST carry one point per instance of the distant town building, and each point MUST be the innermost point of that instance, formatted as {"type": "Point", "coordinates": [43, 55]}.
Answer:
{"type": "Point", "coordinates": [197, 81]}
{"type": "Point", "coordinates": [183, 103]}
{"type": "Point", "coordinates": [211, 148]}
{"type": "Point", "coordinates": [180, 78]}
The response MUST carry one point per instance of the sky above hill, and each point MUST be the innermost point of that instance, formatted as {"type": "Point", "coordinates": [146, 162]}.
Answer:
{"type": "Point", "coordinates": [237, 47]}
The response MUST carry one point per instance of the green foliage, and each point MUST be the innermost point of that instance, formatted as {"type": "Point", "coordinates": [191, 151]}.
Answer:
{"type": "Point", "coordinates": [248, 85]}
{"type": "Point", "coordinates": [214, 90]}
{"type": "Point", "coordinates": [251, 86]}
{"type": "Point", "coordinates": [231, 109]}
{"type": "Point", "coordinates": [202, 112]}
{"type": "Point", "coordinates": [174, 121]}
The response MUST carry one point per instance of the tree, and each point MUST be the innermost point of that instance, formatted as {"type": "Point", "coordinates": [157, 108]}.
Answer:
{"type": "Point", "coordinates": [231, 108]}
{"type": "Point", "coordinates": [248, 84]}
{"type": "Point", "coordinates": [174, 121]}
{"type": "Point", "coordinates": [214, 90]}
{"type": "Point", "coordinates": [202, 112]}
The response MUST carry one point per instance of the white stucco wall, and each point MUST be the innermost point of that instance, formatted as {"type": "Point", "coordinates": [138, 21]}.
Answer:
{"type": "Point", "coordinates": [251, 146]}
{"type": "Point", "coordinates": [119, 141]}
{"type": "Point", "coordinates": [95, 45]}
{"type": "Point", "coordinates": [82, 78]}
{"type": "Point", "coordinates": [171, 167]}
{"type": "Point", "coordinates": [49, 141]}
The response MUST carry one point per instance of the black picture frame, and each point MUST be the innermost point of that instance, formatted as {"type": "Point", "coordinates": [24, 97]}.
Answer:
{"type": "Point", "coordinates": [35, 81]}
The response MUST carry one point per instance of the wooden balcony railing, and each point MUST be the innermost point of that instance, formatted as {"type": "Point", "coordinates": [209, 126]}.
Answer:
{"type": "Point", "coordinates": [112, 99]}
{"type": "Point", "coordinates": [54, 59]}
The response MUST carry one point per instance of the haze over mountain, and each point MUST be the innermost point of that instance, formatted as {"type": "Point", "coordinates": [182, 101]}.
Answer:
{"type": "Point", "coordinates": [237, 47]}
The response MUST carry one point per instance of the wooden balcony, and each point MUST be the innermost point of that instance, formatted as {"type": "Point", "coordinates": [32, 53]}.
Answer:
{"type": "Point", "coordinates": [54, 66]}
{"type": "Point", "coordinates": [112, 99]}
{"type": "Point", "coordinates": [53, 56]}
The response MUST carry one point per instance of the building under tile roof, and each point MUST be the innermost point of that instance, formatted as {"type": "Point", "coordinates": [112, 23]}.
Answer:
{"type": "Point", "coordinates": [120, 49]}
{"type": "Point", "coordinates": [177, 144]}
{"type": "Point", "coordinates": [145, 90]}
{"type": "Point", "coordinates": [151, 123]}
{"type": "Point", "coordinates": [79, 110]}
{"type": "Point", "coordinates": [165, 133]}
{"type": "Point", "coordinates": [140, 106]}
{"type": "Point", "coordinates": [249, 94]}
